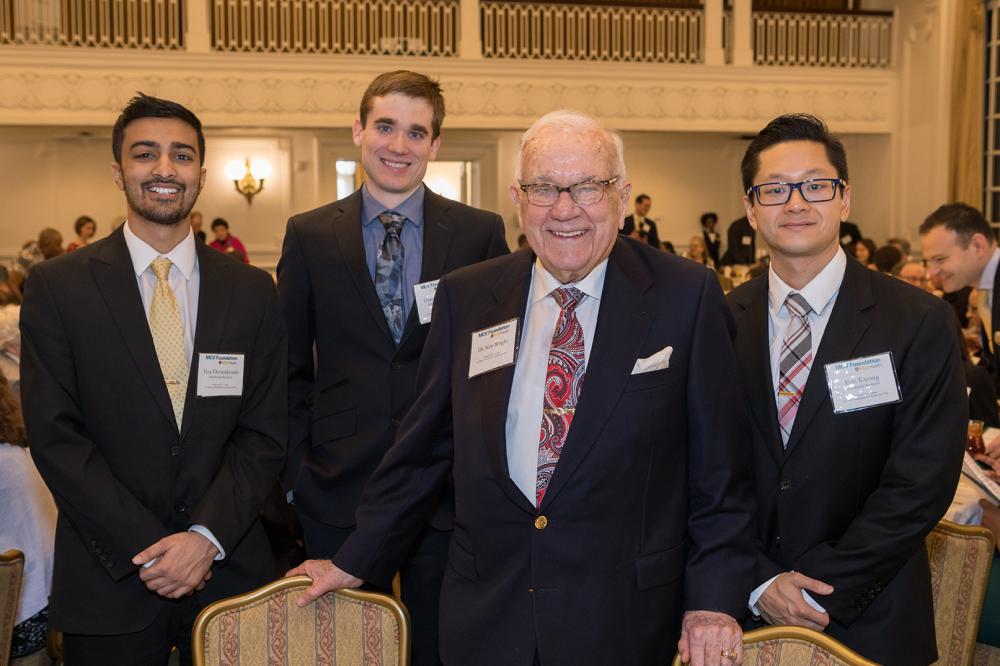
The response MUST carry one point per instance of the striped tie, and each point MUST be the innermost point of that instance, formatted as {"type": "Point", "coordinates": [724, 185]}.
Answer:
{"type": "Point", "coordinates": [794, 362]}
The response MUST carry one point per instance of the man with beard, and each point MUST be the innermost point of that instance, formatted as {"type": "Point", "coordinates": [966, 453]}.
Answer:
{"type": "Point", "coordinates": [153, 370]}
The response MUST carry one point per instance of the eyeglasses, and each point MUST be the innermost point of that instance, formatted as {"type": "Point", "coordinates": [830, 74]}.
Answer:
{"type": "Point", "coordinates": [814, 190]}
{"type": "Point", "coordinates": [586, 193]}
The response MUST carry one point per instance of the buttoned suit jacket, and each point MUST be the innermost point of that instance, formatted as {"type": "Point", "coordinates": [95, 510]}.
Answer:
{"type": "Point", "coordinates": [647, 512]}
{"type": "Point", "coordinates": [652, 236]}
{"type": "Point", "coordinates": [104, 437]}
{"type": "Point", "coordinates": [852, 497]}
{"type": "Point", "coordinates": [349, 384]}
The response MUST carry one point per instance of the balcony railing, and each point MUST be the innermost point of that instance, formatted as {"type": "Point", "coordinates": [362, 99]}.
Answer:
{"type": "Point", "coordinates": [590, 32]}
{"type": "Point", "coordinates": [136, 24]}
{"type": "Point", "coordinates": [358, 27]}
{"type": "Point", "coordinates": [822, 40]}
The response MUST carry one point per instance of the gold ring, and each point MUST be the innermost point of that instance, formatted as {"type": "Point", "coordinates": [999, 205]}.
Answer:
{"type": "Point", "coordinates": [729, 654]}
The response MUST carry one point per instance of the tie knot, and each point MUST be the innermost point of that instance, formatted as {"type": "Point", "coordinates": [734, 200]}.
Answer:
{"type": "Point", "coordinates": [392, 221]}
{"type": "Point", "coordinates": [797, 305]}
{"type": "Point", "coordinates": [567, 297]}
{"type": "Point", "coordinates": [161, 267]}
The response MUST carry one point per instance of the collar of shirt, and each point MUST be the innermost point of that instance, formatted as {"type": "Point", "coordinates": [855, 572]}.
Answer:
{"type": "Point", "coordinates": [412, 208]}
{"type": "Point", "coordinates": [545, 283]}
{"type": "Point", "coordinates": [989, 273]}
{"type": "Point", "coordinates": [183, 255]}
{"type": "Point", "coordinates": [820, 291]}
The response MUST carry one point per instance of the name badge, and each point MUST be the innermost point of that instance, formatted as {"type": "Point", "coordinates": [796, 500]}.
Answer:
{"type": "Point", "coordinates": [746, 240]}
{"type": "Point", "coordinates": [862, 382]}
{"type": "Point", "coordinates": [220, 374]}
{"type": "Point", "coordinates": [423, 294]}
{"type": "Point", "coordinates": [493, 347]}
{"type": "Point", "coordinates": [844, 240]}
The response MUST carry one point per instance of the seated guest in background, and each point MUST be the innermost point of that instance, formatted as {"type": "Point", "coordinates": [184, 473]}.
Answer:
{"type": "Point", "coordinates": [849, 235]}
{"type": "Point", "coordinates": [864, 251]}
{"type": "Point", "coordinates": [85, 228]}
{"type": "Point", "coordinates": [10, 346]}
{"type": "Point", "coordinates": [914, 273]}
{"type": "Point", "coordinates": [196, 221]}
{"type": "Point", "coordinates": [28, 524]}
{"type": "Point", "coordinates": [902, 244]}
{"type": "Point", "coordinates": [637, 225]}
{"type": "Point", "coordinates": [982, 392]}
{"type": "Point", "coordinates": [543, 568]}
{"type": "Point", "coordinates": [886, 258]}
{"type": "Point", "coordinates": [698, 252]}
{"type": "Point", "coordinates": [712, 239]}
{"type": "Point", "coordinates": [159, 476]}
{"type": "Point", "coordinates": [226, 243]}
{"type": "Point", "coordinates": [847, 489]}
{"type": "Point", "coordinates": [48, 245]}
{"type": "Point", "coordinates": [740, 243]}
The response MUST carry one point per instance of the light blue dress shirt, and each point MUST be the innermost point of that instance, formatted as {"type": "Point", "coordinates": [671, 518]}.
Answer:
{"type": "Point", "coordinates": [412, 238]}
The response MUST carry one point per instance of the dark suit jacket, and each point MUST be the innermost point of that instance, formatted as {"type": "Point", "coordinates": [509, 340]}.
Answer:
{"type": "Point", "coordinates": [652, 236]}
{"type": "Point", "coordinates": [853, 496]}
{"type": "Point", "coordinates": [346, 402]}
{"type": "Point", "coordinates": [738, 251]}
{"type": "Point", "coordinates": [647, 512]}
{"type": "Point", "coordinates": [988, 359]}
{"type": "Point", "coordinates": [713, 246]}
{"type": "Point", "coordinates": [103, 435]}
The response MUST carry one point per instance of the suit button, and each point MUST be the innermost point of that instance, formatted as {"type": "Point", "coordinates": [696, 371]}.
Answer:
{"type": "Point", "coordinates": [93, 542]}
{"type": "Point", "coordinates": [786, 485]}
{"type": "Point", "coordinates": [175, 450]}
{"type": "Point", "coordinates": [541, 522]}
{"type": "Point", "coordinates": [180, 507]}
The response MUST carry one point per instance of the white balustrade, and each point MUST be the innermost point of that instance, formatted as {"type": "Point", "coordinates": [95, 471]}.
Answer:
{"type": "Point", "coordinates": [139, 24]}
{"type": "Point", "coordinates": [550, 31]}
{"type": "Point", "coordinates": [822, 40]}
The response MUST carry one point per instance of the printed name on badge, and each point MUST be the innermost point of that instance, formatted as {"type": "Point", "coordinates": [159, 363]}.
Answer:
{"type": "Point", "coordinates": [220, 375]}
{"type": "Point", "coordinates": [863, 382]}
{"type": "Point", "coordinates": [423, 294]}
{"type": "Point", "coordinates": [492, 348]}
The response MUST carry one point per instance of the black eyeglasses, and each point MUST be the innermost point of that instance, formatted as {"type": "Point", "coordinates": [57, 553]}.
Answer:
{"type": "Point", "coordinates": [814, 190]}
{"type": "Point", "coordinates": [586, 193]}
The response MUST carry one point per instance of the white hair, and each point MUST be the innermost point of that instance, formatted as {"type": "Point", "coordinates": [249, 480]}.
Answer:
{"type": "Point", "coordinates": [578, 121]}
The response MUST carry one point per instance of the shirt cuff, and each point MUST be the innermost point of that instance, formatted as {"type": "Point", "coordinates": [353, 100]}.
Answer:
{"type": "Point", "coordinates": [205, 532]}
{"type": "Point", "coordinates": [759, 591]}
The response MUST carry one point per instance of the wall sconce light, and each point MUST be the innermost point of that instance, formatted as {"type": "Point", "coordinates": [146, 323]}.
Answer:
{"type": "Point", "coordinates": [248, 178]}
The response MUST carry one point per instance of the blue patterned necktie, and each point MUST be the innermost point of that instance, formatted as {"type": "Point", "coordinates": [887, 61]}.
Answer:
{"type": "Point", "coordinates": [389, 273]}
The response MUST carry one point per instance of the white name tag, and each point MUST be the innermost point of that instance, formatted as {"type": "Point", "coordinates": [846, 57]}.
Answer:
{"type": "Point", "coordinates": [746, 240]}
{"type": "Point", "coordinates": [862, 382]}
{"type": "Point", "coordinates": [493, 347]}
{"type": "Point", "coordinates": [220, 374]}
{"type": "Point", "coordinates": [844, 240]}
{"type": "Point", "coordinates": [423, 294]}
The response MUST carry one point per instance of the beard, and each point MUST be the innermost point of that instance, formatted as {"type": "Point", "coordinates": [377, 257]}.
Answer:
{"type": "Point", "coordinates": [166, 214]}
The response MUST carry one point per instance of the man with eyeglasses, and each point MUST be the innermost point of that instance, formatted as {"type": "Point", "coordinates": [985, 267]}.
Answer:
{"type": "Point", "coordinates": [601, 483]}
{"type": "Point", "coordinates": [858, 395]}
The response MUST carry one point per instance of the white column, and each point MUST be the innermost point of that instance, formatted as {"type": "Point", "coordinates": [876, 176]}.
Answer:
{"type": "Point", "coordinates": [470, 44]}
{"type": "Point", "coordinates": [197, 39]}
{"type": "Point", "coordinates": [714, 53]}
{"type": "Point", "coordinates": [742, 25]}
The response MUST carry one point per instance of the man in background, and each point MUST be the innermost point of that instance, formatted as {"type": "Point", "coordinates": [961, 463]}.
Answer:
{"type": "Point", "coordinates": [48, 245]}
{"type": "Point", "coordinates": [638, 225]}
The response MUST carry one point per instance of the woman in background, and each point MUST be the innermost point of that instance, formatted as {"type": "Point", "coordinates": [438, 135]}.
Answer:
{"type": "Point", "coordinates": [226, 243]}
{"type": "Point", "coordinates": [697, 251]}
{"type": "Point", "coordinates": [85, 228]}
{"type": "Point", "coordinates": [864, 251]}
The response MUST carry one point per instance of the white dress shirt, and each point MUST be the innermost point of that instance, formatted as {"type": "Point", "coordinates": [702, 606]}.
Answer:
{"type": "Point", "coordinates": [524, 413]}
{"type": "Point", "coordinates": [820, 294]}
{"type": "Point", "coordinates": [185, 280]}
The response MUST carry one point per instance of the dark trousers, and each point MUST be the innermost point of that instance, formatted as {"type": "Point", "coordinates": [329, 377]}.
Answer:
{"type": "Point", "coordinates": [419, 579]}
{"type": "Point", "coordinates": [148, 647]}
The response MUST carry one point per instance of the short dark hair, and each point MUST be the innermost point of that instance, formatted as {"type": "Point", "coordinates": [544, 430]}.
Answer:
{"type": "Point", "coordinates": [81, 222]}
{"type": "Point", "coordinates": [705, 217]}
{"type": "Point", "coordinates": [886, 257]}
{"type": "Point", "coordinates": [793, 127]}
{"type": "Point", "coordinates": [219, 222]}
{"type": "Point", "coordinates": [407, 83]}
{"type": "Point", "coordinates": [961, 218]}
{"type": "Point", "coordinates": [642, 197]}
{"type": "Point", "coordinates": [146, 106]}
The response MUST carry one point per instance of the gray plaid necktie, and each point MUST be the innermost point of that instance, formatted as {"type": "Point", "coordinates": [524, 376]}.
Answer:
{"type": "Point", "coordinates": [389, 273]}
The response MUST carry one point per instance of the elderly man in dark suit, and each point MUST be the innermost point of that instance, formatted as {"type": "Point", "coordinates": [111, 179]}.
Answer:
{"type": "Point", "coordinates": [356, 281]}
{"type": "Point", "coordinates": [858, 395]}
{"type": "Point", "coordinates": [155, 402]}
{"type": "Point", "coordinates": [586, 532]}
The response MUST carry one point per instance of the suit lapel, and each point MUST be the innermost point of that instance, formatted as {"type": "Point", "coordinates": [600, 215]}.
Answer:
{"type": "Point", "coordinates": [623, 322]}
{"type": "Point", "coordinates": [754, 355]}
{"type": "Point", "coordinates": [437, 241]}
{"type": "Point", "coordinates": [347, 232]}
{"type": "Point", "coordinates": [848, 322]}
{"type": "Point", "coordinates": [114, 275]}
{"type": "Point", "coordinates": [510, 296]}
{"type": "Point", "coordinates": [995, 307]}
{"type": "Point", "coordinates": [214, 296]}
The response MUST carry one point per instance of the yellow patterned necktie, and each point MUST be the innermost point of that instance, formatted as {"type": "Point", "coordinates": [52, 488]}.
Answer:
{"type": "Point", "coordinates": [985, 315]}
{"type": "Point", "coordinates": [168, 337]}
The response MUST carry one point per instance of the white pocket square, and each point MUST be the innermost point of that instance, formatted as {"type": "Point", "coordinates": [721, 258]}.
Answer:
{"type": "Point", "coordinates": [658, 361]}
